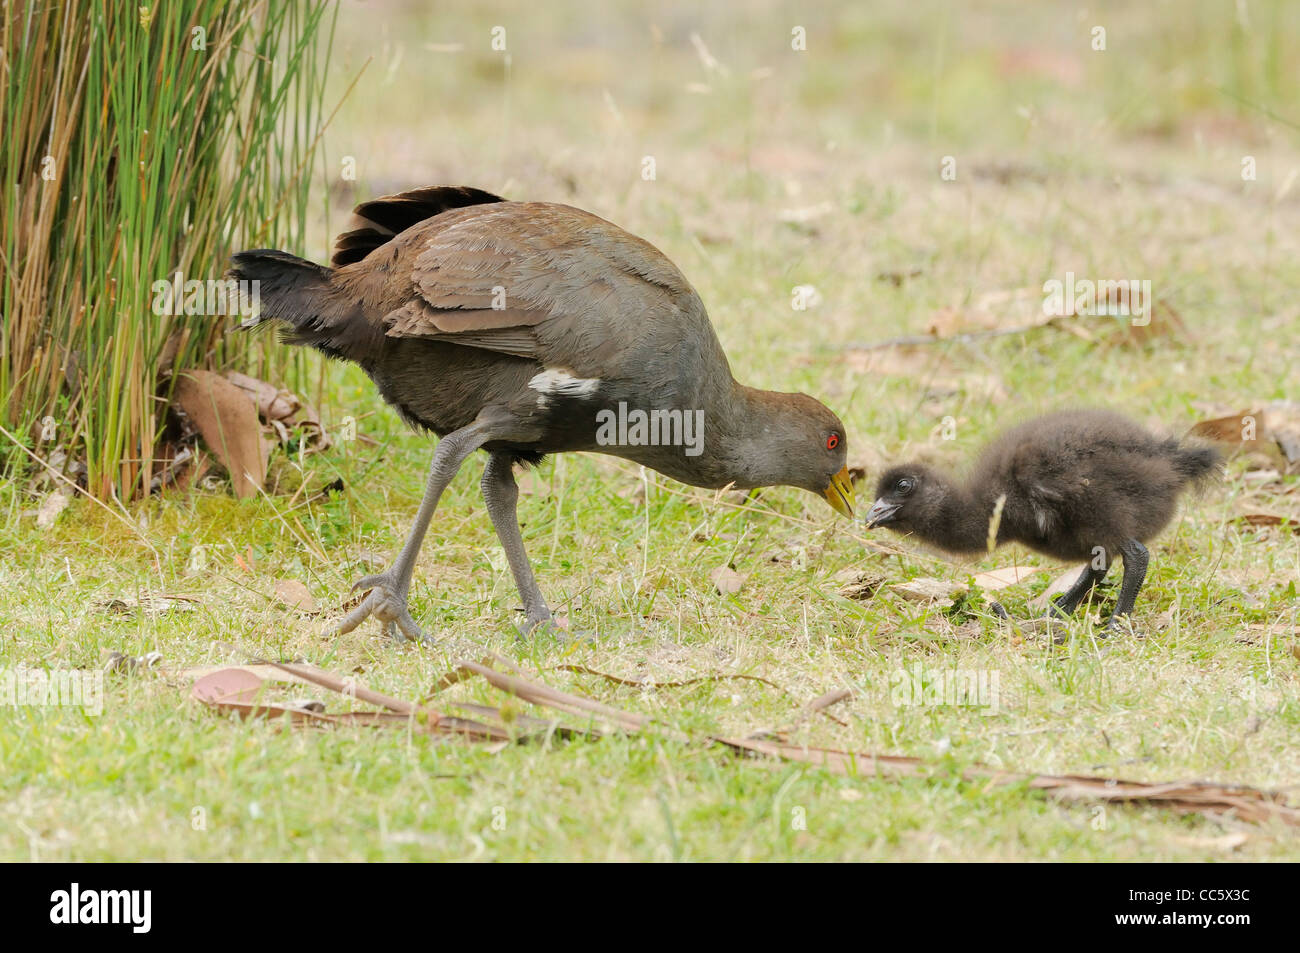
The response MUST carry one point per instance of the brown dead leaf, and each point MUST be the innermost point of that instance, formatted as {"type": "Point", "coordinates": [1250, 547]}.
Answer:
{"type": "Point", "coordinates": [272, 402]}
{"type": "Point", "coordinates": [929, 589]}
{"type": "Point", "coordinates": [1059, 585]}
{"type": "Point", "coordinates": [925, 365]}
{"type": "Point", "coordinates": [263, 670]}
{"type": "Point", "coordinates": [171, 347]}
{"type": "Point", "coordinates": [860, 584]}
{"type": "Point", "coordinates": [1269, 519]}
{"type": "Point", "coordinates": [52, 507]}
{"type": "Point", "coordinates": [226, 419]}
{"type": "Point", "coordinates": [950, 322]}
{"type": "Point", "coordinates": [238, 690]}
{"type": "Point", "coordinates": [996, 579]}
{"type": "Point", "coordinates": [1228, 842]}
{"type": "Point", "coordinates": [1007, 310]}
{"type": "Point", "coordinates": [1284, 428]}
{"type": "Point", "coordinates": [1232, 429]}
{"type": "Point", "coordinates": [1163, 319]}
{"type": "Point", "coordinates": [241, 690]}
{"type": "Point", "coordinates": [1252, 433]}
{"type": "Point", "coordinates": [901, 361]}
{"type": "Point", "coordinates": [149, 603]}
{"type": "Point", "coordinates": [120, 662]}
{"type": "Point", "coordinates": [295, 595]}
{"type": "Point", "coordinates": [727, 580]}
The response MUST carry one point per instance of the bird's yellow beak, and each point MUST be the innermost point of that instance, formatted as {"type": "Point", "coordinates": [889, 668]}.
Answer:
{"type": "Point", "coordinates": [840, 493]}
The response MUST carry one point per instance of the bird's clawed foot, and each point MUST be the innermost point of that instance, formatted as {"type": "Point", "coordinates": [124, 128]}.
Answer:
{"type": "Point", "coordinates": [545, 625]}
{"type": "Point", "coordinates": [386, 601]}
{"type": "Point", "coordinates": [1117, 624]}
{"type": "Point", "coordinates": [538, 622]}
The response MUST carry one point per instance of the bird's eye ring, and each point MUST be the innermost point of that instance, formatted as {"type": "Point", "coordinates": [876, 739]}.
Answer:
{"type": "Point", "coordinates": [905, 486]}
{"type": "Point", "coordinates": [832, 441]}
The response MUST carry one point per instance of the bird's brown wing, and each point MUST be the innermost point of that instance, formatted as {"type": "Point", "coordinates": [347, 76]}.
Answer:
{"type": "Point", "coordinates": [536, 280]}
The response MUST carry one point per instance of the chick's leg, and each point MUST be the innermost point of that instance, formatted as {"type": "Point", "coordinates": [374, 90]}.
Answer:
{"type": "Point", "coordinates": [1136, 558]}
{"type": "Point", "coordinates": [1068, 601]}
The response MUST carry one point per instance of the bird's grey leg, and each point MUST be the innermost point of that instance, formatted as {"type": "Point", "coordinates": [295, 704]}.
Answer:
{"type": "Point", "coordinates": [1135, 573]}
{"type": "Point", "coordinates": [388, 590]}
{"type": "Point", "coordinates": [501, 494]}
{"type": "Point", "coordinates": [1068, 601]}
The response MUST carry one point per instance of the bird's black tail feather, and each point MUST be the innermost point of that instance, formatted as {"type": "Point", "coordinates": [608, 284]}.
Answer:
{"type": "Point", "coordinates": [301, 295]}
{"type": "Point", "coordinates": [374, 223]}
{"type": "Point", "coordinates": [1197, 464]}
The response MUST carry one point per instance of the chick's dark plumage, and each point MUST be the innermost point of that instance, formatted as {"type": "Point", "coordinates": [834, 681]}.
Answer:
{"type": "Point", "coordinates": [1085, 485]}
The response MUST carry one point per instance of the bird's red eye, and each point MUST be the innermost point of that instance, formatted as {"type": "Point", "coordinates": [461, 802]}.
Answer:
{"type": "Point", "coordinates": [832, 441]}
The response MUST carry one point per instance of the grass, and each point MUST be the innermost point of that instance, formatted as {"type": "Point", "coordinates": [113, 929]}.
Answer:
{"type": "Point", "coordinates": [1127, 166]}
{"type": "Point", "coordinates": [141, 143]}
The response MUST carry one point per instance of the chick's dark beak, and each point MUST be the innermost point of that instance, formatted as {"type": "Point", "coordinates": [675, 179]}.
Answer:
{"type": "Point", "coordinates": [881, 512]}
{"type": "Point", "coordinates": [840, 493]}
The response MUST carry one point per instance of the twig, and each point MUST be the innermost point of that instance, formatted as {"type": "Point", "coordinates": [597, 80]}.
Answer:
{"type": "Point", "coordinates": [909, 340]}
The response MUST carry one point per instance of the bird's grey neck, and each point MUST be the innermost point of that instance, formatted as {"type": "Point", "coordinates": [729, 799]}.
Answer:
{"type": "Point", "coordinates": [747, 433]}
{"type": "Point", "coordinates": [961, 523]}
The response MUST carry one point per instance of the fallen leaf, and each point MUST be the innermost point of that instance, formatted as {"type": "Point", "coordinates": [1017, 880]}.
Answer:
{"type": "Point", "coordinates": [996, 579]}
{"type": "Point", "coordinates": [859, 584]}
{"type": "Point", "coordinates": [1232, 429]}
{"type": "Point", "coordinates": [1245, 803]}
{"type": "Point", "coordinates": [728, 580]}
{"type": "Point", "coordinates": [1163, 319]}
{"type": "Point", "coordinates": [268, 673]}
{"type": "Point", "coordinates": [226, 419]}
{"type": "Point", "coordinates": [272, 402]}
{"type": "Point", "coordinates": [52, 507]}
{"type": "Point", "coordinates": [1227, 842]}
{"type": "Point", "coordinates": [239, 690]}
{"type": "Point", "coordinates": [150, 604]}
{"type": "Point", "coordinates": [1269, 519]}
{"type": "Point", "coordinates": [1284, 428]}
{"type": "Point", "coordinates": [928, 589]}
{"type": "Point", "coordinates": [295, 595]}
{"type": "Point", "coordinates": [950, 322]}
{"type": "Point", "coordinates": [1059, 585]}
{"type": "Point", "coordinates": [807, 213]}
{"type": "Point", "coordinates": [119, 662]}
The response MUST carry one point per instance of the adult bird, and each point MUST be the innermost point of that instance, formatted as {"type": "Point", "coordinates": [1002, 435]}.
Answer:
{"type": "Point", "coordinates": [518, 328]}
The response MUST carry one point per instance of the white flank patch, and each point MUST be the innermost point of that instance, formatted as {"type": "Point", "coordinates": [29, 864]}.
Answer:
{"type": "Point", "coordinates": [554, 381]}
{"type": "Point", "coordinates": [1043, 518]}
